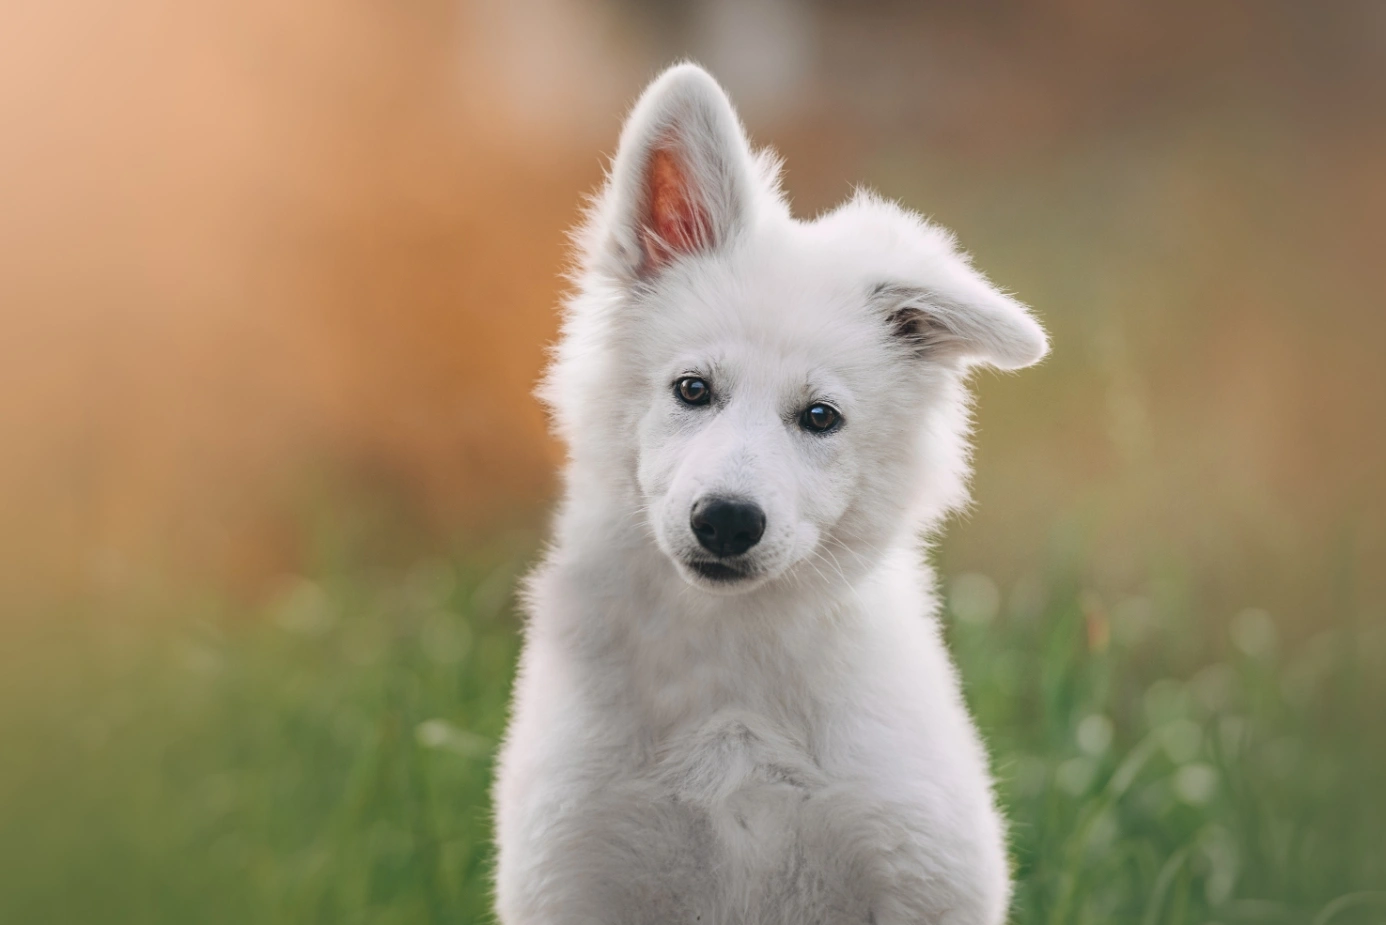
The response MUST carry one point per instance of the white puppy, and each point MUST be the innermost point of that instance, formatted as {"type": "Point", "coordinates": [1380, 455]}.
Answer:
{"type": "Point", "coordinates": [733, 706]}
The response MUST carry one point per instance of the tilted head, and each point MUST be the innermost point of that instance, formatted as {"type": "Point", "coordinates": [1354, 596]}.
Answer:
{"type": "Point", "coordinates": [771, 399]}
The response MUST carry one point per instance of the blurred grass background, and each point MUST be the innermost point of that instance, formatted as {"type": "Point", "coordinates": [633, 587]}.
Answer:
{"type": "Point", "coordinates": [328, 760]}
{"type": "Point", "coordinates": [275, 283]}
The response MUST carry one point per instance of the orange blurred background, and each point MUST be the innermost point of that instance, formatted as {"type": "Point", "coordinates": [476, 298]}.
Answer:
{"type": "Point", "coordinates": [265, 266]}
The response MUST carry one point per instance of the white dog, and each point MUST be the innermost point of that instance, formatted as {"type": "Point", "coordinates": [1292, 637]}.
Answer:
{"type": "Point", "coordinates": [733, 706]}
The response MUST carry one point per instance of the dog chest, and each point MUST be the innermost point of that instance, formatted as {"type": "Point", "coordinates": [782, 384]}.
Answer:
{"type": "Point", "coordinates": [773, 822]}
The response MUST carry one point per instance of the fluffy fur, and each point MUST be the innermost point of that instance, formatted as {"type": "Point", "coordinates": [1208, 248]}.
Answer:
{"type": "Point", "coordinates": [790, 746]}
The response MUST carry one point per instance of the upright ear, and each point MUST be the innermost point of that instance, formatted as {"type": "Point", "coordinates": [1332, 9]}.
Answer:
{"type": "Point", "coordinates": [682, 181]}
{"type": "Point", "coordinates": [965, 321]}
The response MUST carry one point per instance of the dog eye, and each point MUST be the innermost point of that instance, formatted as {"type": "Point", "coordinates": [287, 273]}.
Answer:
{"type": "Point", "coordinates": [692, 390]}
{"type": "Point", "coordinates": [819, 418]}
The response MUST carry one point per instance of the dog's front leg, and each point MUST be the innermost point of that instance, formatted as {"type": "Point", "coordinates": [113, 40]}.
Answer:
{"type": "Point", "coordinates": [910, 897]}
{"type": "Point", "coordinates": [622, 856]}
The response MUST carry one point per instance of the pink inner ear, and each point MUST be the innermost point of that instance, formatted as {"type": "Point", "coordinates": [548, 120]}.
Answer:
{"type": "Point", "coordinates": [675, 223]}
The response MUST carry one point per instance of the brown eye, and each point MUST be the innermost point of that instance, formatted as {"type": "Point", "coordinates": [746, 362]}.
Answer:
{"type": "Point", "coordinates": [692, 391]}
{"type": "Point", "coordinates": [819, 418]}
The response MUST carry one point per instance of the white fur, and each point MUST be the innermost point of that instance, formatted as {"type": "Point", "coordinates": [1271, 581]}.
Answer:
{"type": "Point", "coordinates": [793, 747]}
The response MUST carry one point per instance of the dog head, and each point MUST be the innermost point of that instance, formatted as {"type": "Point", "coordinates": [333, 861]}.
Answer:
{"type": "Point", "coordinates": [775, 398]}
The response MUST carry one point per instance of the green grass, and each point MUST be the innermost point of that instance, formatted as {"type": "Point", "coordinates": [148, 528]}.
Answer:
{"type": "Point", "coordinates": [328, 760]}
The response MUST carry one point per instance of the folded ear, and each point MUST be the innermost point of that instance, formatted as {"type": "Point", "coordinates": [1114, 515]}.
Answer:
{"type": "Point", "coordinates": [968, 322]}
{"type": "Point", "coordinates": [682, 179]}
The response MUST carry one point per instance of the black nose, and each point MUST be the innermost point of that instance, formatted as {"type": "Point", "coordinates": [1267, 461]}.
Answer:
{"type": "Point", "coordinates": [726, 527]}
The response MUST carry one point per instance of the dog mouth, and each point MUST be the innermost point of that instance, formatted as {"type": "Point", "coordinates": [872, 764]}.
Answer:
{"type": "Point", "coordinates": [719, 572]}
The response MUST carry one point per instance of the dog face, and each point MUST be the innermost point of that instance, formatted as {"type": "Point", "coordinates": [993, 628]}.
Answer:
{"type": "Point", "coordinates": [747, 445]}
{"type": "Point", "coordinates": [781, 396]}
